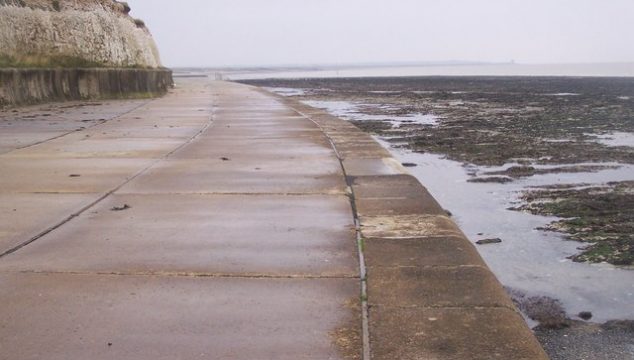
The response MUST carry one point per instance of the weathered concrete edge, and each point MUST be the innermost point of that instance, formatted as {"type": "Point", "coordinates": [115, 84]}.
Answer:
{"type": "Point", "coordinates": [32, 86]}
{"type": "Point", "coordinates": [423, 272]}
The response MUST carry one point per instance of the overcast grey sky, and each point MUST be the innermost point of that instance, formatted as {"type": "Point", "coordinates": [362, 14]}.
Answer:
{"type": "Point", "coordinates": [278, 32]}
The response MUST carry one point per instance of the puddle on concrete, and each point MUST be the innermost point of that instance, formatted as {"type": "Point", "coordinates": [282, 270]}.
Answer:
{"type": "Point", "coordinates": [528, 259]}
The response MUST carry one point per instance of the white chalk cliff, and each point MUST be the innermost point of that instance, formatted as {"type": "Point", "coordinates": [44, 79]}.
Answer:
{"type": "Point", "coordinates": [94, 31]}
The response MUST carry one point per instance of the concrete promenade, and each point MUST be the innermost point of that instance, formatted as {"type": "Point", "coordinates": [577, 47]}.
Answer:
{"type": "Point", "coordinates": [223, 222]}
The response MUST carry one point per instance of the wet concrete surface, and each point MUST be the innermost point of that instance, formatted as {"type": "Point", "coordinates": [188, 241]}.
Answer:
{"type": "Point", "coordinates": [437, 333]}
{"type": "Point", "coordinates": [211, 223]}
{"type": "Point", "coordinates": [19, 210]}
{"type": "Point", "coordinates": [240, 235]}
{"type": "Point", "coordinates": [34, 124]}
{"type": "Point", "coordinates": [60, 316]}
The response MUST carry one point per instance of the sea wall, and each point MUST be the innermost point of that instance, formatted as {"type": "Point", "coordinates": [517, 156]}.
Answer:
{"type": "Point", "coordinates": [429, 293]}
{"type": "Point", "coordinates": [29, 86]}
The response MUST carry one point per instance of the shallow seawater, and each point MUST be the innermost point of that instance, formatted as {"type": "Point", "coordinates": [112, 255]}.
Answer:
{"type": "Point", "coordinates": [528, 259]}
{"type": "Point", "coordinates": [606, 69]}
{"type": "Point", "coordinates": [353, 111]}
{"type": "Point", "coordinates": [531, 260]}
{"type": "Point", "coordinates": [563, 94]}
{"type": "Point", "coordinates": [287, 91]}
{"type": "Point", "coordinates": [616, 139]}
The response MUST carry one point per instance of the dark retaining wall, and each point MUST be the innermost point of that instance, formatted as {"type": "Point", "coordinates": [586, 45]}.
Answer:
{"type": "Point", "coordinates": [30, 86]}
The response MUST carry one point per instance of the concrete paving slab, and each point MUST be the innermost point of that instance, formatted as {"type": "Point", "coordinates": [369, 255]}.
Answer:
{"type": "Point", "coordinates": [432, 251]}
{"type": "Point", "coordinates": [372, 166]}
{"type": "Point", "coordinates": [23, 216]}
{"type": "Point", "coordinates": [26, 126]}
{"type": "Point", "coordinates": [398, 194]}
{"type": "Point", "coordinates": [88, 147]}
{"type": "Point", "coordinates": [260, 116]}
{"type": "Point", "coordinates": [12, 139]}
{"type": "Point", "coordinates": [60, 175]}
{"type": "Point", "coordinates": [5, 148]}
{"type": "Point", "coordinates": [387, 186]}
{"type": "Point", "coordinates": [59, 316]}
{"type": "Point", "coordinates": [408, 226]}
{"type": "Point", "coordinates": [161, 117]}
{"type": "Point", "coordinates": [72, 110]}
{"type": "Point", "coordinates": [263, 132]}
{"type": "Point", "coordinates": [237, 235]}
{"type": "Point", "coordinates": [251, 174]}
{"type": "Point", "coordinates": [148, 132]}
{"type": "Point", "coordinates": [244, 147]}
{"type": "Point", "coordinates": [462, 286]}
{"type": "Point", "coordinates": [265, 119]}
{"type": "Point", "coordinates": [360, 151]}
{"type": "Point", "coordinates": [453, 334]}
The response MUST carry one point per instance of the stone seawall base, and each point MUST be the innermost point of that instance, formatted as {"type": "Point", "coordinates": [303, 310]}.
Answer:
{"type": "Point", "coordinates": [31, 86]}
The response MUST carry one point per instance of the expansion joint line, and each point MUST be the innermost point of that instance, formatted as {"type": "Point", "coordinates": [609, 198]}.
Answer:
{"type": "Point", "coordinates": [365, 335]}
{"type": "Point", "coordinates": [108, 193]}
{"type": "Point", "coordinates": [99, 122]}
{"type": "Point", "coordinates": [177, 274]}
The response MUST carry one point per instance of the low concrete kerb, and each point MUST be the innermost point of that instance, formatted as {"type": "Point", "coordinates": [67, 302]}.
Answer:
{"type": "Point", "coordinates": [430, 295]}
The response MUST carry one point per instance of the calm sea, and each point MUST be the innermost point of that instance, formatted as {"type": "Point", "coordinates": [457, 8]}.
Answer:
{"type": "Point", "coordinates": [607, 69]}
